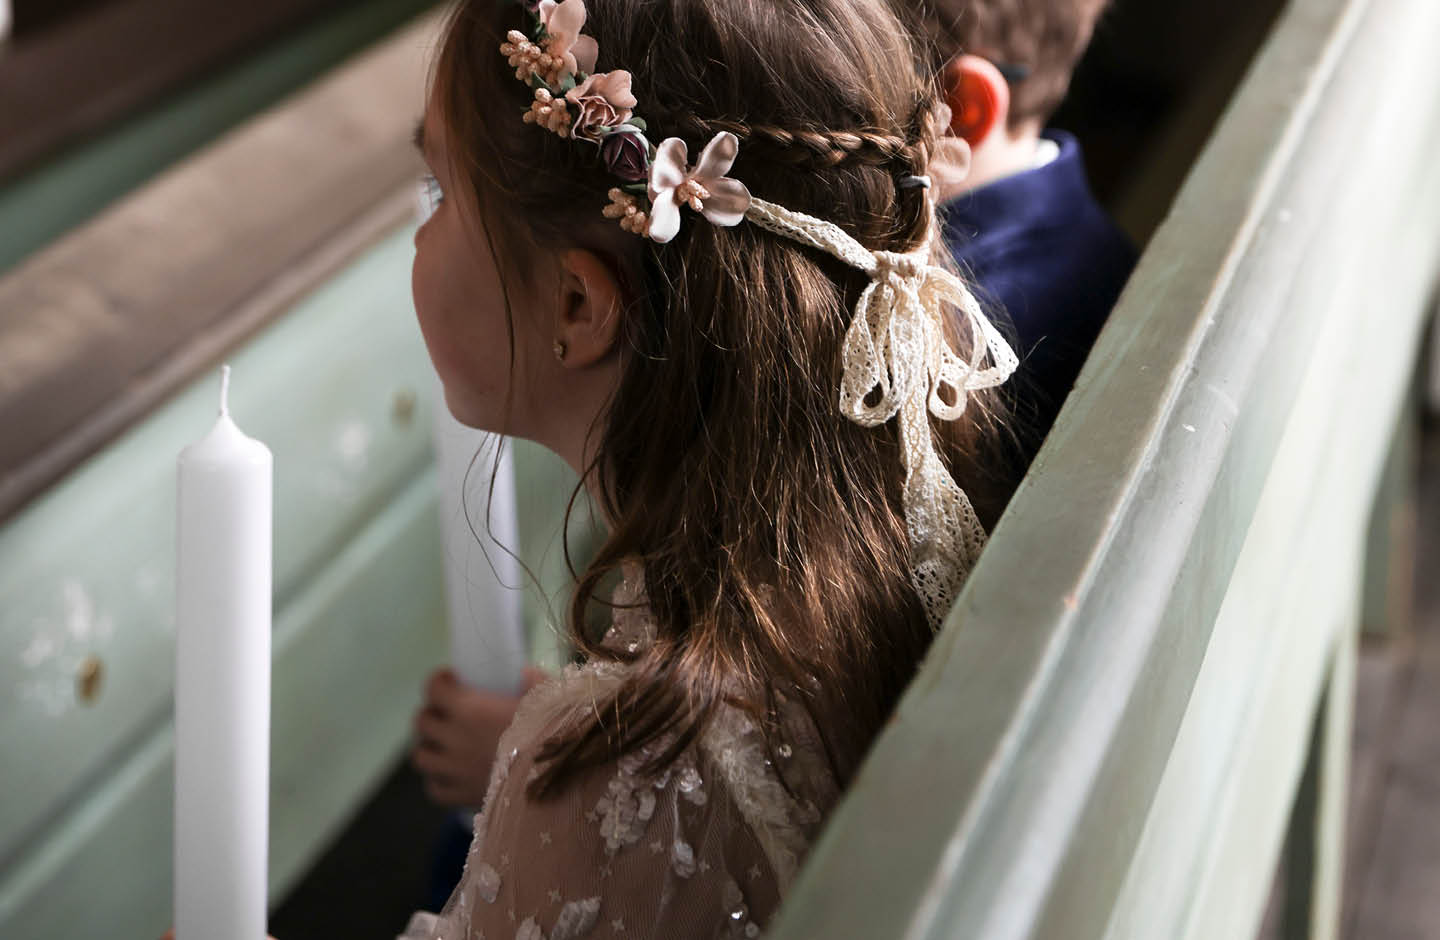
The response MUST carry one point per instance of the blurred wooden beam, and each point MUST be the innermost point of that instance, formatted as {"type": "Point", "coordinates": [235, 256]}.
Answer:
{"type": "Point", "coordinates": [74, 69]}
{"type": "Point", "coordinates": [98, 328]}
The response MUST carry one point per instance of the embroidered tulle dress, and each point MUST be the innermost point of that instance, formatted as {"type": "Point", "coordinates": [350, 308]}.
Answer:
{"type": "Point", "coordinates": [704, 849]}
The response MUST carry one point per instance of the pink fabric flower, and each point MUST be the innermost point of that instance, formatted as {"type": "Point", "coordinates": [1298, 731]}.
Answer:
{"type": "Point", "coordinates": [602, 100]}
{"type": "Point", "coordinates": [704, 187]}
{"type": "Point", "coordinates": [563, 22]}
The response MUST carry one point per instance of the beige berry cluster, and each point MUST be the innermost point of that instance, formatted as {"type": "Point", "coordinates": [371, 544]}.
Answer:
{"type": "Point", "coordinates": [693, 193]}
{"type": "Point", "coordinates": [626, 208]}
{"type": "Point", "coordinates": [549, 112]}
{"type": "Point", "coordinates": [529, 59]}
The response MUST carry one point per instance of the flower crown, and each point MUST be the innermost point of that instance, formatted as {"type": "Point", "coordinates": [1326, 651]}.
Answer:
{"type": "Point", "coordinates": [898, 363]}
{"type": "Point", "coordinates": [574, 102]}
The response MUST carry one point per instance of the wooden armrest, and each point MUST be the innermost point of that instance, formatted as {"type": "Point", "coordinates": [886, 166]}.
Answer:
{"type": "Point", "coordinates": [98, 328]}
{"type": "Point", "coordinates": [96, 65]}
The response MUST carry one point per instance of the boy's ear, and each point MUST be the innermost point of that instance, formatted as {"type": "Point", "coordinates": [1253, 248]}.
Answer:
{"type": "Point", "coordinates": [978, 96]}
{"type": "Point", "coordinates": [588, 319]}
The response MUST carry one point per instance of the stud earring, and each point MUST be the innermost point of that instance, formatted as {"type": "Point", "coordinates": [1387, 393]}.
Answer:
{"type": "Point", "coordinates": [559, 350]}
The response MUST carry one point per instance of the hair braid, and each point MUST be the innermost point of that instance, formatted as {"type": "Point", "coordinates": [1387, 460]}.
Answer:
{"type": "Point", "coordinates": [805, 146]}
{"type": "Point", "coordinates": [927, 126]}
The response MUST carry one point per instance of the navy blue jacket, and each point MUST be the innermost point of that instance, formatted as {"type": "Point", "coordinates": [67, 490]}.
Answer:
{"type": "Point", "coordinates": [1041, 253]}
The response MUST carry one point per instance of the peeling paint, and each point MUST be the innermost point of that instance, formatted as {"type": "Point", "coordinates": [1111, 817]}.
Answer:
{"type": "Point", "coordinates": [352, 445]}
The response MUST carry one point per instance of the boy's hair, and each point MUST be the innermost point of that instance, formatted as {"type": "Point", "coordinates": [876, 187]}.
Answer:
{"type": "Point", "coordinates": [768, 525]}
{"type": "Point", "coordinates": [1044, 38]}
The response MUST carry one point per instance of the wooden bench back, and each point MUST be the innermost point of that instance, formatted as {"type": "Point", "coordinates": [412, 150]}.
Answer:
{"type": "Point", "coordinates": [1106, 737]}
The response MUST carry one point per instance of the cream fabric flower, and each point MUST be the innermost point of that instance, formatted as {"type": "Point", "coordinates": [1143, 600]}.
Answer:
{"type": "Point", "coordinates": [603, 100]}
{"type": "Point", "coordinates": [563, 22]}
{"type": "Point", "coordinates": [703, 187]}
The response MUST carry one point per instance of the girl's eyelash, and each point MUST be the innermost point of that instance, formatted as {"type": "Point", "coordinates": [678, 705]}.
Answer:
{"type": "Point", "coordinates": [429, 196]}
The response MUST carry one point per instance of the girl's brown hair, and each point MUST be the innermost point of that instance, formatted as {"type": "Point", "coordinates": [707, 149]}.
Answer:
{"type": "Point", "coordinates": [768, 526]}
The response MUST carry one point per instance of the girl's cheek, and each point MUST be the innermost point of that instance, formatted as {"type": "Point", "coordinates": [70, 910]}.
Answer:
{"type": "Point", "coordinates": [416, 267]}
{"type": "Point", "coordinates": [429, 258]}
{"type": "Point", "coordinates": [421, 282]}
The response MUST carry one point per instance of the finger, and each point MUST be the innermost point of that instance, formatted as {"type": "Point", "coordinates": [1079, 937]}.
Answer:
{"type": "Point", "coordinates": [496, 710]}
{"type": "Point", "coordinates": [440, 687]}
{"type": "Point", "coordinates": [424, 722]}
{"type": "Point", "coordinates": [432, 762]}
{"type": "Point", "coordinates": [438, 729]}
{"type": "Point", "coordinates": [443, 791]}
{"type": "Point", "coordinates": [424, 759]}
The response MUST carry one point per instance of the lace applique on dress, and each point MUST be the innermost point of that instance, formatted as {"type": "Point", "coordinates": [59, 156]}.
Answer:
{"type": "Point", "coordinates": [632, 628]}
{"type": "Point", "coordinates": [576, 919]}
{"type": "Point", "coordinates": [629, 802]}
{"type": "Point", "coordinates": [779, 821]}
{"type": "Point", "coordinates": [705, 847]}
{"type": "Point", "coordinates": [487, 882]}
{"type": "Point", "coordinates": [737, 913]}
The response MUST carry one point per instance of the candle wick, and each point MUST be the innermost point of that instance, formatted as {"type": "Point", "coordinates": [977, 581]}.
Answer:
{"type": "Point", "coordinates": [224, 391]}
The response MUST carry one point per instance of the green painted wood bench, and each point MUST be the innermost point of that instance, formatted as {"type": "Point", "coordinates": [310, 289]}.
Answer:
{"type": "Point", "coordinates": [107, 345]}
{"type": "Point", "coordinates": [283, 247]}
{"type": "Point", "coordinates": [1108, 736]}
{"type": "Point", "coordinates": [89, 161]}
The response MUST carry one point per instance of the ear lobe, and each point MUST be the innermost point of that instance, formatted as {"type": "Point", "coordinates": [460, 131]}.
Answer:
{"type": "Point", "coordinates": [978, 96]}
{"type": "Point", "coordinates": [588, 321]}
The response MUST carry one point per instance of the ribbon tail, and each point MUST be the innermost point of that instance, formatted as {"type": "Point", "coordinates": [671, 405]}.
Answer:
{"type": "Point", "coordinates": [868, 355]}
{"type": "Point", "coordinates": [944, 532]}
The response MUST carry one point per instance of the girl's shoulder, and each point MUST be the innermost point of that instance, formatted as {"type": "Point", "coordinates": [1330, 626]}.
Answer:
{"type": "Point", "coordinates": [706, 845]}
{"type": "Point", "coordinates": [781, 785]}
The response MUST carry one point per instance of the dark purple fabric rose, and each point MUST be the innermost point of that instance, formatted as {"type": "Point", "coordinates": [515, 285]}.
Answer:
{"type": "Point", "coordinates": [625, 156]}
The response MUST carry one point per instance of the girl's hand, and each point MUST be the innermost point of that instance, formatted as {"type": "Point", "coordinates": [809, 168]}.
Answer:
{"type": "Point", "coordinates": [457, 730]}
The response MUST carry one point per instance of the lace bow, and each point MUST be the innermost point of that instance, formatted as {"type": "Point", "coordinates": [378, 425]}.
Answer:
{"type": "Point", "coordinates": [896, 361]}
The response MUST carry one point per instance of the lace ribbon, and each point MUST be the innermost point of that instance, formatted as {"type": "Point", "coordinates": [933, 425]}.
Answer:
{"type": "Point", "coordinates": [895, 346]}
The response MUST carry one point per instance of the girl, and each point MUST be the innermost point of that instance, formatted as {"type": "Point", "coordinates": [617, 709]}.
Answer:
{"type": "Point", "coordinates": [684, 244]}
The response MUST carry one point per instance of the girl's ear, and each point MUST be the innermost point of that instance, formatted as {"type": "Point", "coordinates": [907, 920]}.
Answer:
{"type": "Point", "coordinates": [588, 319]}
{"type": "Point", "coordinates": [978, 96]}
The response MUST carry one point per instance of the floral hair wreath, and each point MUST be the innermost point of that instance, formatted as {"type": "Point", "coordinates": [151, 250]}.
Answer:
{"type": "Point", "coordinates": [898, 363]}
{"type": "Point", "coordinates": [599, 108]}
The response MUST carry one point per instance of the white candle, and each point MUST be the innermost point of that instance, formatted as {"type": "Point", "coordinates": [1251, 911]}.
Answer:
{"type": "Point", "coordinates": [222, 684]}
{"type": "Point", "coordinates": [482, 578]}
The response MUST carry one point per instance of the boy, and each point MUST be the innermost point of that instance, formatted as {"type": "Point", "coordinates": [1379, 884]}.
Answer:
{"type": "Point", "coordinates": [1022, 222]}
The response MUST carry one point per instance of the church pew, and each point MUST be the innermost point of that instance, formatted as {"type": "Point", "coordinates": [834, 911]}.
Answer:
{"type": "Point", "coordinates": [108, 343]}
{"type": "Point", "coordinates": [1109, 734]}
